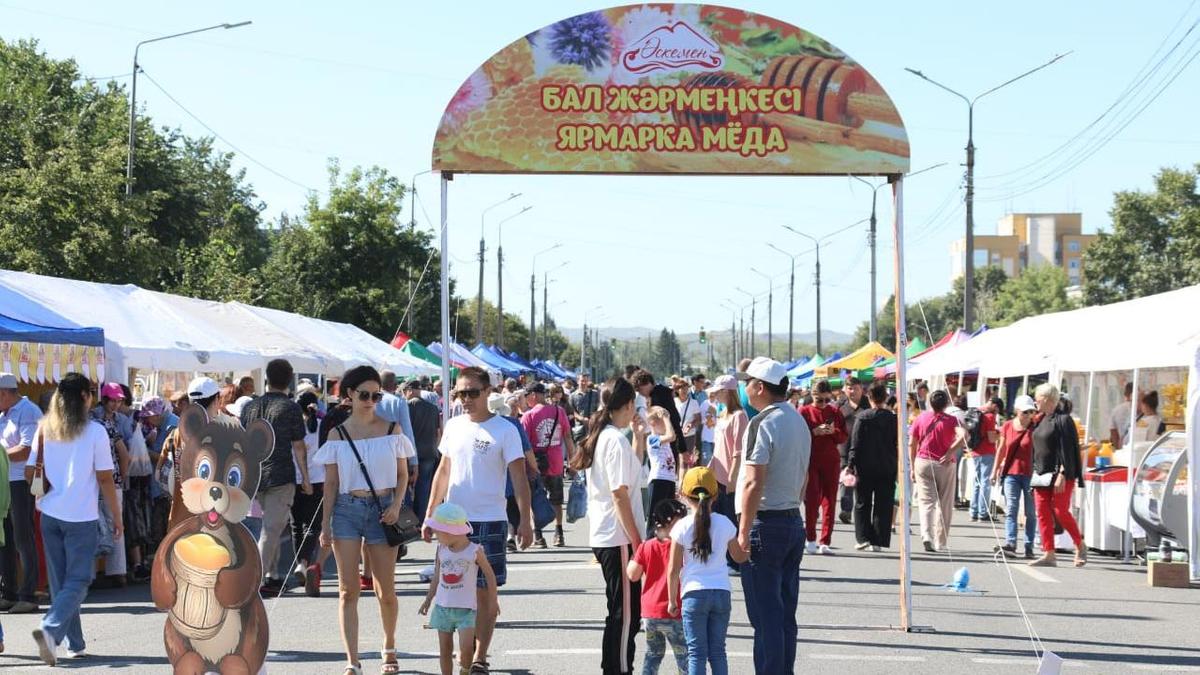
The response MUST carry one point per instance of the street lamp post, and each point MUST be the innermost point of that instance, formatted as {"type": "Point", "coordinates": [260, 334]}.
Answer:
{"type": "Point", "coordinates": [816, 279]}
{"type": "Point", "coordinates": [733, 336]}
{"type": "Point", "coordinates": [533, 298]}
{"type": "Point", "coordinates": [753, 305]}
{"type": "Point", "coordinates": [583, 342]}
{"type": "Point", "coordinates": [133, 94]}
{"type": "Point", "coordinates": [500, 276]}
{"type": "Point", "coordinates": [791, 298]}
{"type": "Point", "coordinates": [969, 267]}
{"type": "Point", "coordinates": [479, 296]}
{"type": "Point", "coordinates": [546, 308]}
{"type": "Point", "coordinates": [770, 313]}
{"type": "Point", "coordinates": [873, 333]}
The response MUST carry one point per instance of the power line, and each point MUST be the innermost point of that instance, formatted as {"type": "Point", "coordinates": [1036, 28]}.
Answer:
{"type": "Point", "coordinates": [1140, 77]}
{"type": "Point", "coordinates": [224, 140]}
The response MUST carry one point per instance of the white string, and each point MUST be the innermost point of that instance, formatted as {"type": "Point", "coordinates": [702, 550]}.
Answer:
{"type": "Point", "coordinates": [292, 567]}
{"type": "Point", "coordinates": [1034, 638]}
{"type": "Point", "coordinates": [938, 502]}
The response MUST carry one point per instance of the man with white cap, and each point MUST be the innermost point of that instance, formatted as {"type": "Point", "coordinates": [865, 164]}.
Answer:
{"type": "Point", "coordinates": [769, 496]}
{"type": "Point", "coordinates": [18, 424]}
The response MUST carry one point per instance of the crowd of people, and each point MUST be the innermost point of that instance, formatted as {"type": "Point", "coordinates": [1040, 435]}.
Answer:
{"type": "Point", "coordinates": [689, 483]}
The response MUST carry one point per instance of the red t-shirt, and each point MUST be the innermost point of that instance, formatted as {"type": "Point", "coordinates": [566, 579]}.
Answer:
{"type": "Point", "coordinates": [545, 435]}
{"type": "Point", "coordinates": [1018, 456]}
{"type": "Point", "coordinates": [827, 414]}
{"type": "Point", "coordinates": [987, 424]}
{"type": "Point", "coordinates": [934, 433]}
{"type": "Point", "coordinates": [654, 556]}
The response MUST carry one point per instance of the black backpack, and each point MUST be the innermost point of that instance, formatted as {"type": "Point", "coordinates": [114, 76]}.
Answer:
{"type": "Point", "coordinates": [973, 423]}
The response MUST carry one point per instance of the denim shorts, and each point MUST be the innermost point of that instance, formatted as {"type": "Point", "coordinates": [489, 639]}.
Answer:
{"type": "Point", "coordinates": [491, 535]}
{"type": "Point", "coordinates": [451, 619]}
{"type": "Point", "coordinates": [358, 518]}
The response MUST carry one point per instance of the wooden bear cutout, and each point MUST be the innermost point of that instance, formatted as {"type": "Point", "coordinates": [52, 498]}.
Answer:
{"type": "Point", "coordinates": [208, 571]}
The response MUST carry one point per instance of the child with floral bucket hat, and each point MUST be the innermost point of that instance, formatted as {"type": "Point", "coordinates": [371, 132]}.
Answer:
{"type": "Point", "coordinates": [452, 588]}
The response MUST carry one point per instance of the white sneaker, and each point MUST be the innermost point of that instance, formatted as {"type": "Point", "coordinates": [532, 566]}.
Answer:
{"type": "Point", "coordinates": [825, 550]}
{"type": "Point", "coordinates": [875, 549]}
{"type": "Point", "coordinates": [425, 574]}
{"type": "Point", "coordinates": [811, 547]}
{"type": "Point", "coordinates": [47, 649]}
{"type": "Point", "coordinates": [72, 654]}
{"type": "Point", "coordinates": [862, 546]}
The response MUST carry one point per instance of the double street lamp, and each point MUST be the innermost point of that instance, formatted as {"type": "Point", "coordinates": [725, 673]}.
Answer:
{"type": "Point", "coordinates": [817, 277]}
{"type": "Point", "coordinates": [770, 312]}
{"type": "Point", "coordinates": [791, 299]}
{"type": "Point", "coordinates": [479, 296]}
{"type": "Point", "coordinates": [969, 268]}
{"type": "Point", "coordinates": [500, 276]}
{"type": "Point", "coordinates": [133, 94]}
{"type": "Point", "coordinates": [533, 296]}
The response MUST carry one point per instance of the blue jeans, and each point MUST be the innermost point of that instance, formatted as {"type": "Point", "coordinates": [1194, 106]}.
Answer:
{"type": "Point", "coordinates": [421, 490]}
{"type": "Point", "coordinates": [70, 561]}
{"type": "Point", "coordinates": [659, 632]}
{"type": "Point", "coordinates": [981, 489]}
{"type": "Point", "coordinates": [705, 621]}
{"type": "Point", "coordinates": [706, 452]}
{"type": "Point", "coordinates": [1016, 488]}
{"type": "Point", "coordinates": [771, 584]}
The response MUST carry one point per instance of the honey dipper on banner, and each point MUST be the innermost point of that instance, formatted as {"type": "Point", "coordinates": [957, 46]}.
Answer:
{"type": "Point", "coordinates": [794, 127]}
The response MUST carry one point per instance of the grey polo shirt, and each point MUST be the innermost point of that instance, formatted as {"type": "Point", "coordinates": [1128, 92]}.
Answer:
{"type": "Point", "coordinates": [778, 439]}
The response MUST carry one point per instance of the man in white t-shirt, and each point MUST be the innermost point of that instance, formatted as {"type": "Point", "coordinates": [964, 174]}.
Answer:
{"type": "Point", "coordinates": [479, 451]}
{"type": "Point", "coordinates": [1118, 426]}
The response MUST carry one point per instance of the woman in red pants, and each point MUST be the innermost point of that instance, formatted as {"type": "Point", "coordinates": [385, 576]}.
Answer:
{"type": "Point", "coordinates": [828, 429]}
{"type": "Point", "coordinates": [1057, 466]}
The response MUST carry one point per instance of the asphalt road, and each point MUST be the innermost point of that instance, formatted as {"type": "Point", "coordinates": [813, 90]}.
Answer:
{"type": "Point", "coordinates": [1101, 619]}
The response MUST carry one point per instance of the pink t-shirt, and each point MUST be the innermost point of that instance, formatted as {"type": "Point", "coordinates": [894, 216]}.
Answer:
{"type": "Point", "coordinates": [934, 433]}
{"type": "Point", "coordinates": [545, 436]}
{"type": "Point", "coordinates": [728, 445]}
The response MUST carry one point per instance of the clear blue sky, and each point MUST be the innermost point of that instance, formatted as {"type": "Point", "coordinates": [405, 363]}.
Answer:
{"type": "Point", "coordinates": [366, 82]}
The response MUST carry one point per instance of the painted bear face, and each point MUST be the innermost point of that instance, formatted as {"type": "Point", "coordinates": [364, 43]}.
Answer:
{"type": "Point", "coordinates": [219, 464]}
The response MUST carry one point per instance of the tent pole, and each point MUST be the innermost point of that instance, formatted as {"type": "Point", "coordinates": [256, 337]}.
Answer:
{"type": "Point", "coordinates": [445, 300]}
{"type": "Point", "coordinates": [1133, 467]}
{"type": "Point", "coordinates": [1087, 419]}
{"type": "Point", "coordinates": [1192, 420]}
{"type": "Point", "coordinates": [902, 404]}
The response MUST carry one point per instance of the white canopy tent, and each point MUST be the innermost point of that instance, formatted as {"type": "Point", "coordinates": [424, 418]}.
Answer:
{"type": "Point", "coordinates": [134, 335]}
{"type": "Point", "coordinates": [153, 331]}
{"type": "Point", "coordinates": [1153, 332]}
{"type": "Point", "coordinates": [350, 345]}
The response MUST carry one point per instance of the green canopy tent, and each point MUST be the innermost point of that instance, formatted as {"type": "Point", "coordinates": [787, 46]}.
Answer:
{"type": "Point", "coordinates": [915, 347]}
{"type": "Point", "coordinates": [414, 348]}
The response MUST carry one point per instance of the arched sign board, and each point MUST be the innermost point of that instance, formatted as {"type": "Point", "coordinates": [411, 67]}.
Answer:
{"type": "Point", "coordinates": [671, 89]}
{"type": "Point", "coordinates": [679, 89]}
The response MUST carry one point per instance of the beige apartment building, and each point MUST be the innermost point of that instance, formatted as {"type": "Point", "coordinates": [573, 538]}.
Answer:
{"type": "Point", "coordinates": [1024, 240]}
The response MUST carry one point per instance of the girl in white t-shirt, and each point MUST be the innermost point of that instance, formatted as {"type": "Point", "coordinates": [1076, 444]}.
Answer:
{"type": "Point", "coordinates": [452, 591]}
{"type": "Point", "coordinates": [664, 473]}
{"type": "Point", "coordinates": [698, 572]}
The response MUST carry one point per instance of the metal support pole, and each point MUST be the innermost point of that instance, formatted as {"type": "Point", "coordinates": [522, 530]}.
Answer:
{"type": "Point", "coordinates": [499, 294]}
{"type": "Point", "coordinates": [532, 314]}
{"type": "Point", "coordinates": [1127, 542]}
{"type": "Point", "coordinates": [445, 299]}
{"type": "Point", "coordinates": [969, 269]}
{"type": "Point", "coordinates": [479, 295]}
{"type": "Point", "coordinates": [874, 332]}
{"type": "Point", "coordinates": [791, 308]}
{"type": "Point", "coordinates": [818, 282]}
{"type": "Point", "coordinates": [901, 412]}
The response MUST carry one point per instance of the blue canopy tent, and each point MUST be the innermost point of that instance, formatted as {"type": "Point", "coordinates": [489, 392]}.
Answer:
{"type": "Point", "coordinates": [38, 353]}
{"type": "Point", "coordinates": [802, 375]}
{"type": "Point", "coordinates": [506, 367]}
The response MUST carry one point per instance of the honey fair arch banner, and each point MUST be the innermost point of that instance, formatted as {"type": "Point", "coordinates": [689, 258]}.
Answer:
{"type": "Point", "coordinates": [678, 89]}
{"type": "Point", "coordinates": [671, 88]}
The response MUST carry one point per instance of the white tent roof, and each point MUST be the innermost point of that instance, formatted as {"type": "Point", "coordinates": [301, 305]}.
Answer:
{"type": "Point", "coordinates": [135, 335]}
{"type": "Point", "coordinates": [350, 345]}
{"type": "Point", "coordinates": [1156, 331]}
{"type": "Point", "coordinates": [159, 331]}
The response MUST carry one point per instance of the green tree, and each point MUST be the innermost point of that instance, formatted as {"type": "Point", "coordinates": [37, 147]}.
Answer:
{"type": "Point", "coordinates": [1154, 245]}
{"type": "Point", "coordinates": [516, 332]}
{"type": "Point", "coordinates": [1039, 290]}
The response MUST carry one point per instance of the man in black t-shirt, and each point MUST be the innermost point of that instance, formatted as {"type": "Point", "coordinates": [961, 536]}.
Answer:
{"type": "Point", "coordinates": [277, 486]}
{"type": "Point", "coordinates": [427, 431]}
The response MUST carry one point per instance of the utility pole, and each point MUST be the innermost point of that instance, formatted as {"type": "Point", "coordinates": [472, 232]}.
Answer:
{"type": "Point", "coordinates": [753, 305]}
{"type": "Point", "coordinates": [479, 296]}
{"type": "Point", "coordinates": [770, 313]}
{"type": "Point", "coordinates": [969, 266]}
{"type": "Point", "coordinates": [791, 299]}
{"type": "Point", "coordinates": [532, 297]}
{"type": "Point", "coordinates": [500, 276]}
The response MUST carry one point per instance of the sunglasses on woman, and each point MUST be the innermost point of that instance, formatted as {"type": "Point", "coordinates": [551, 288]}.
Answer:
{"type": "Point", "coordinates": [365, 396]}
{"type": "Point", "coordinates": [467, 393]}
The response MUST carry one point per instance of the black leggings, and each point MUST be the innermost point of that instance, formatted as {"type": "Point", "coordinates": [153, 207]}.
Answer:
{"type": "Point", "coordinates": [304, 508]}
{"type": "Point", "coordinates": [660, 491]}
{"type": "Point", "coordinates": [874, 497]}
{"type": "Point", "coordinates": [624, 610]}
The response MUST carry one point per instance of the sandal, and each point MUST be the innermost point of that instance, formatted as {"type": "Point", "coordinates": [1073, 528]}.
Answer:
{"type": "Point", "coordinates": [1080, 557]}
{"type": "Point", "coordinates": [480, 668]}
{"type": "Point", "coordinates": [352, 669]}
{"type": "Point", "coordinates": [390, 664]}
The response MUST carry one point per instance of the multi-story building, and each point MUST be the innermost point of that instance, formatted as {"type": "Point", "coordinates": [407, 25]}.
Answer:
{"type": "Point", "coordinates": [1025, 240]}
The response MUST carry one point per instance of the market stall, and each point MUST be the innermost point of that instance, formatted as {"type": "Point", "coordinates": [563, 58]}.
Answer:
{"type": "Point", "coordinates": [39, 354]}
{"type": "Point", "coordinates": [866, 355]}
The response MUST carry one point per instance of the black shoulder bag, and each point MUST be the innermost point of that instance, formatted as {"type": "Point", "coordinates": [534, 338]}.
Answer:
{"type": "Point", "coordinates": [407, 526]}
